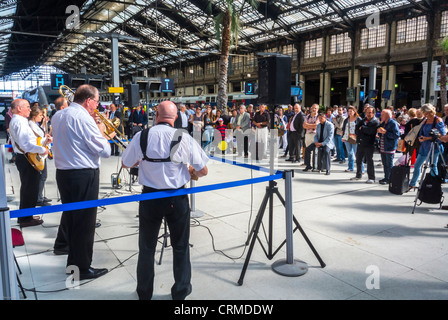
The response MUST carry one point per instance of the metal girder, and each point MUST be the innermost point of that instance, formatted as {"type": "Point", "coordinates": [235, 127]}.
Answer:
{"type": "Point", "coordinates": [159, 5]}
{"type": "Point", "coordinates": [421, 5]}
{"type": "Point", "coordinates": [333, 5]}
{"type": "Point", "coordinates": [145, 21]}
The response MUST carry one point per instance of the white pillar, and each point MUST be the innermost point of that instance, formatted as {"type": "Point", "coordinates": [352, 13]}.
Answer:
{"type": "Point", "coordinates": [432, 93]}
{"type": "Point", "coordinates": [389, 85]}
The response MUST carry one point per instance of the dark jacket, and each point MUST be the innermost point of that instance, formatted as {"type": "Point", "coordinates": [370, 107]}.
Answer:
{"type": "Point", "coordinates": [138, 117]}
{"type": "Point", "coordinates": [178, 121]}
{"type": "Point", "coordinates": [117, 114]}
{"type": "Point", "coordinates": [392, 134]}
{"type": "Point", "coordinates": [366, 131]}
{"type": "Point", "coordinates": [298, 123]}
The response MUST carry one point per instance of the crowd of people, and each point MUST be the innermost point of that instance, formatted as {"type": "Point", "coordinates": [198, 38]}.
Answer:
{"type": "Point", "coordinates": [312, 137]}
{"type": "Point", "coordinates": [310, 134]}
{"type": "Point", "coordinates": [320, 137]}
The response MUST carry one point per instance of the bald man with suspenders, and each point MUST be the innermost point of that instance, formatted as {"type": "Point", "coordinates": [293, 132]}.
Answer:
{"type": "Point", "coordinates": [167, 159]}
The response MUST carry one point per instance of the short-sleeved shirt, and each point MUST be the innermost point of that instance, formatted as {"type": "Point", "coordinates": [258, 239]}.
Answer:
{"type": "Point", "coordinates": [165, 175]}
{"type": "Point", "coordinates": [311, 120]}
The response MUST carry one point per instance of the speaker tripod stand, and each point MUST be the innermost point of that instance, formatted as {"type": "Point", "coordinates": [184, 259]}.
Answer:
{"type": "Point", "coordinates": [165, 237]}
{"type": "Point", "coordinates": [288, 267]}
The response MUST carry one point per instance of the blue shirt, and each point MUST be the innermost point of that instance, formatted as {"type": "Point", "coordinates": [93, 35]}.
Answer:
{"type": "Point", "coordinates": [425, 130]}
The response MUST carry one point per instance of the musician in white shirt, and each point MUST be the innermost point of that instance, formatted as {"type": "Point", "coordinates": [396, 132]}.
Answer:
{"type": "Point", "coordinates": [37, 123]}
{"type": "Point", "coordinates": [79, 143]}
{"type": "Point", "coordinates": [24, 141]}
{"type": "Point", "coordinates": [164, 167]}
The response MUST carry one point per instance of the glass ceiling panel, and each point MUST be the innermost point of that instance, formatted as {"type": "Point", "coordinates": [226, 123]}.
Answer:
{"type": "Point", "coordinates": [173, 24]}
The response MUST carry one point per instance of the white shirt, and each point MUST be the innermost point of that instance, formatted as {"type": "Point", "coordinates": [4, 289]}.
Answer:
{"type": "Point", "coordinates": [165, 175]}
{"type": "Point", "coordinates": [77, 141]}
{"type": "Point", "coordinates": [184, 119]}
{"type": "Point", "coordinates": [291, 127]}
{"type": "Point", "coordinates": [22, 134]}
{"type": "Point", "coordinates": [36, 128]}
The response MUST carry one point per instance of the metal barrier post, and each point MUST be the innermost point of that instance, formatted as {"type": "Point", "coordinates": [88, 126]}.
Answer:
{"type": "Point", "coordinates": [289, 266]}
{"type": "Point", "coordinates": [193, 212]}
{"type": "Point", "coordinates": [8, 288]}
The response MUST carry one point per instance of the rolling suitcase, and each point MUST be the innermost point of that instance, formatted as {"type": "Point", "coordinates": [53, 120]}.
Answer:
{"type": "Point", "coordinates": [399, 179]}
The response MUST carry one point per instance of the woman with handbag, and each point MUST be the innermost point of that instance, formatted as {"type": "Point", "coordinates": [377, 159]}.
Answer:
{"type": "Point", "coordinates": [349, 136]}
{"type": "Point", "coordinates": [415, 118]}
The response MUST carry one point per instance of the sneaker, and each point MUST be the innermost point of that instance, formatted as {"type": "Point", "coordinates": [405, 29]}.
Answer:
{"type": "Point", "coordinates": [348, 170]}
{"type": "Point", "coordinates": [370, 181]}
{"type": "Point", "coordinates": [355, 178]}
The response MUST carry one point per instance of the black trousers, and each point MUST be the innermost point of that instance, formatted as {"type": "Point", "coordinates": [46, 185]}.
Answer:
{"type": "Point", "coordinates": [294, 144]}
{"type": "Point", "coordinates": [176, 211]}
{"type": "Point", "coordinates": [114, 148]}
{"type": "Point", "coordinates": [29, 185]}
{"type": "Point", "coordinates": [77, 228]}
{"type": "Point", "coordinates": [365, 152]}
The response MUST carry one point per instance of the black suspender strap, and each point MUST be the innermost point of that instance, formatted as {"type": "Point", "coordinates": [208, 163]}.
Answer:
{"type": "Point", "coordinates": [144, 145]}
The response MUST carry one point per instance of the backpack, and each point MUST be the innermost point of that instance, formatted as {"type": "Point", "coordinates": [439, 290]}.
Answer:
{"type": "Point", "coordinates": [431, 189]}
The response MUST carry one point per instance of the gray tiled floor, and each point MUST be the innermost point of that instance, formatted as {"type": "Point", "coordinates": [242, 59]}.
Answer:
{"type": "Point", "coordinates": [353, 226]}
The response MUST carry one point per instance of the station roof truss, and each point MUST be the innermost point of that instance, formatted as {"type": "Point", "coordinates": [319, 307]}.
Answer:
{"type": "Point", "coordinates": [161, 33]}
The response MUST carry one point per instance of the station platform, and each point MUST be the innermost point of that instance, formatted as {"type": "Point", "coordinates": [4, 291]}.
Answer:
{"type": "Point", "coordinates": [372, 246]}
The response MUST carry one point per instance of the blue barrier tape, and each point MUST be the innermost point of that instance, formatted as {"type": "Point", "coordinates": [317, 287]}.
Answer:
{"type": "Point", "coordinates": [139, 197]}
{"type": "Point", "coordinates": [243, 164]}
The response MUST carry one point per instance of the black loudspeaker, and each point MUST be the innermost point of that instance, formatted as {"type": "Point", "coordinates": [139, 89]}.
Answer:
{"type": "Point", "coordinates": [131, 95]}
{"type": "Point", "coordinates": [274, 80]}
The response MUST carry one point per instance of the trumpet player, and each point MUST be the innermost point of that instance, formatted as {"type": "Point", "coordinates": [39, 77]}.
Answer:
{"type": "Point", "coordinates": [79, 143]}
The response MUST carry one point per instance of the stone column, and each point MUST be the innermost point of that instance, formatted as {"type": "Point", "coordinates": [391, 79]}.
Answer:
{"type": "Point", "coordinates": [325, 89]}
{"type": "Point", "coordinates": [357, 80]}
{"type": "Point", "coordinates": [389, 85]}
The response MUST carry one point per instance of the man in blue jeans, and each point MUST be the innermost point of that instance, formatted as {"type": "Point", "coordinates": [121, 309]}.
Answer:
{"type": "Point", "coordinates": [389, 133]}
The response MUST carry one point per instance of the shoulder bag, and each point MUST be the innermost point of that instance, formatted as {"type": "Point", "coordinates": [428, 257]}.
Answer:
{"type": "Point", "coordinates": [412, 135]}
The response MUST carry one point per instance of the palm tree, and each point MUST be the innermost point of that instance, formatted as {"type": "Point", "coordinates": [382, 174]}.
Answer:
{"type": "Point", "coordinates": [443, 72]}
{"type": "Point", "coordinates": [227, 31]}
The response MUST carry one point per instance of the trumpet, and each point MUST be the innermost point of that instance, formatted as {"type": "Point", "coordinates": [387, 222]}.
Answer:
{"type": "Point", "coordinates": [112, 126]}
{"type": "Point", "coordinates": [67, 93]}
